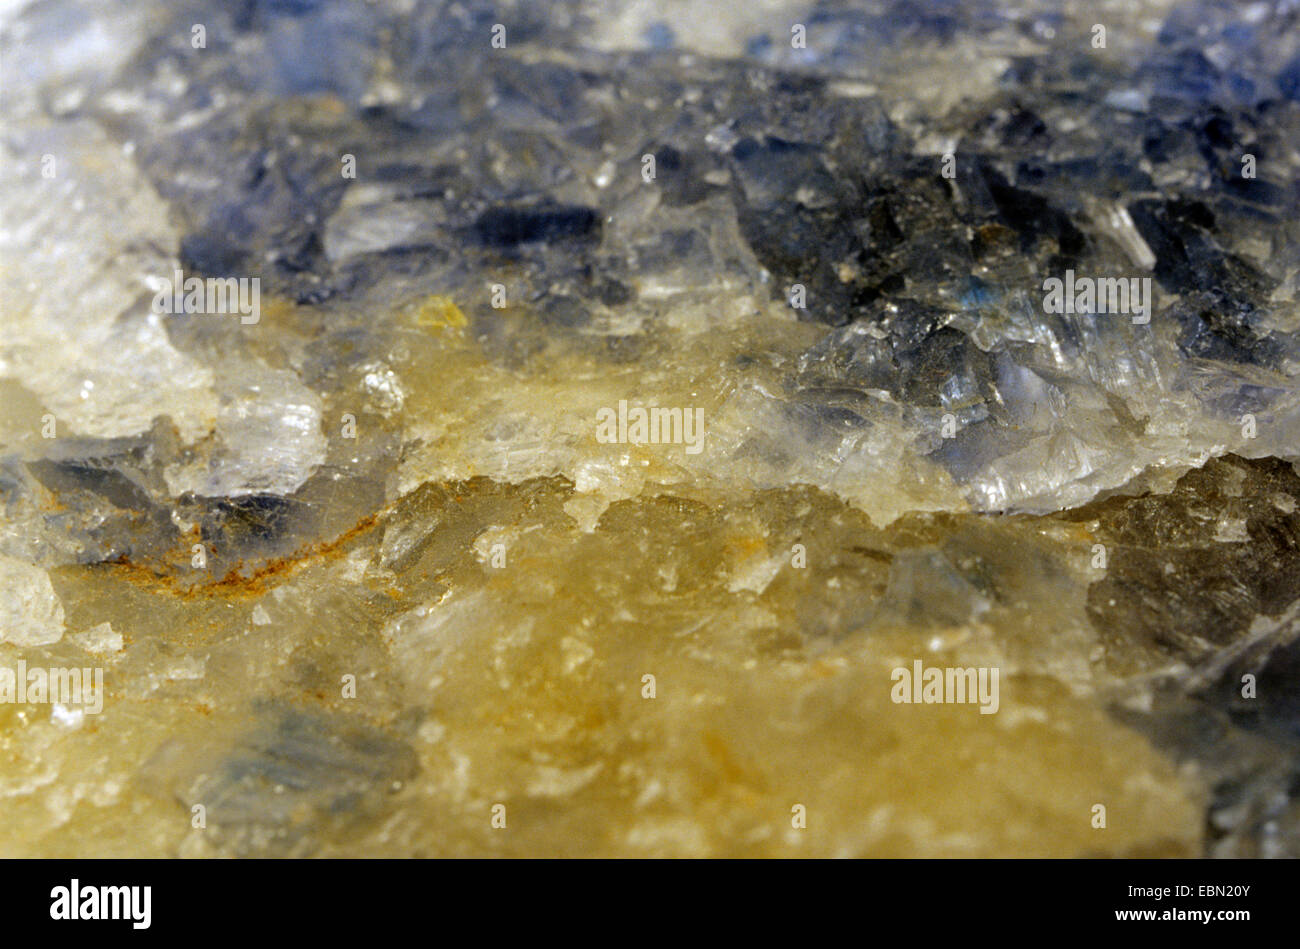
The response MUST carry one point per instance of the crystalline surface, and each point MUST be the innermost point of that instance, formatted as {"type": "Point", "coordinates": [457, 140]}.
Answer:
{"type": "Point", "coordinates": [364, 567]}
{"type": "Point", "coordinates": [30, 613]}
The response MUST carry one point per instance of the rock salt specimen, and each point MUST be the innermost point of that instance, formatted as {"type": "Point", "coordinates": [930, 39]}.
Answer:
{"type": "Point", "coordinates": [368, 570]}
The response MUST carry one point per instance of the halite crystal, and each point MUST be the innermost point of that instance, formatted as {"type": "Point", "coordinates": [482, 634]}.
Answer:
{"type": "Point", "coordinates": [30, 612]}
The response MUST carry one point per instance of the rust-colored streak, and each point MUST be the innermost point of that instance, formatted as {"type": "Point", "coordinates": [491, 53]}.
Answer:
{"type": "Point", "coordinates": [236, 583]}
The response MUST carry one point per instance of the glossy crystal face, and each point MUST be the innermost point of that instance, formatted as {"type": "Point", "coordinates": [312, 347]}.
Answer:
{"type": "Point", "coordinates": [840, 428]}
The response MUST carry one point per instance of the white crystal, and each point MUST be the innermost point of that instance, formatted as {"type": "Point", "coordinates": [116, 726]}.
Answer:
{"type": "Point", "coordinates": [99, 639]}
{"type": "Point", "coordinates": [30, 611]}
{"type": "Point", "coordinates": [269, 437]}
